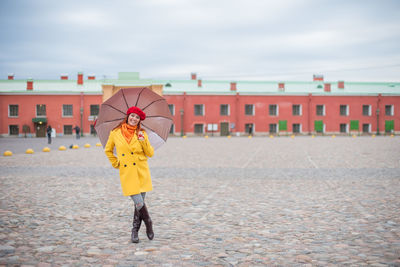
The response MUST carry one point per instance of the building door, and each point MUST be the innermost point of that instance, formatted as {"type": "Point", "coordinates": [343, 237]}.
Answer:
{"type": "Point", "coordinates": [224, 128]}
{"type": "Point", "coordinates": [40, 129]}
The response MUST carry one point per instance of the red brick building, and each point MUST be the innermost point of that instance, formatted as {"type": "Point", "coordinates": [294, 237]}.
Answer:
{"type": "Point", "coordinates": [207, 107]}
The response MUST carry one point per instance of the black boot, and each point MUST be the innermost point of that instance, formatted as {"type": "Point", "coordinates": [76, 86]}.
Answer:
{"type": "Point", "coordinates": [137, 221]}
{"type": "Point", "coordinates": [144, 215]}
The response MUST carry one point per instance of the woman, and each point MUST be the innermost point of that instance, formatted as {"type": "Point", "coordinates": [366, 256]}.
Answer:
{"type": "Point", "coordinates": [133, 148]}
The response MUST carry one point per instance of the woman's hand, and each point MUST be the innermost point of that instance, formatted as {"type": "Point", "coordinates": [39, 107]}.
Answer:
{"type": "Point", "coordinates": [140, 136]}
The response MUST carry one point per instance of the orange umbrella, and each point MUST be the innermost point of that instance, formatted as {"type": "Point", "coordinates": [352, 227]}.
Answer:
{"type": "Point", "coordinates": [158, 117]}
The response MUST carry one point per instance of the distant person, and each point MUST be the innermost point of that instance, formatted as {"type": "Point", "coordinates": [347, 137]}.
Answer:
{"type": "Point", "coordinates": [49, 130]}
{"type": "Point", "coordinates": [251, 130]}
{"type": "Point", "coordinates": [77, 131]}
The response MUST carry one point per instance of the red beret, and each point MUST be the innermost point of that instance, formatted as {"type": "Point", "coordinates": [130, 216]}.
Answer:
{"type": "Point", "coordinates": [137, 111]}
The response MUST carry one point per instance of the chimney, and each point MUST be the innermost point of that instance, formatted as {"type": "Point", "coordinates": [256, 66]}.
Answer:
{"type": "Point", "coordinates": [80, 78]}
{"type": "Point", "coordinates": [281, 87]}
{"type": "Point", "coordinates": [233, 86]}
{"type": "Point", "coordinates": [194, 76]}
{"type": "Point", "coordinates": [91, 77]}
{"type": "Point", "coordinates": [327, 87]}
{"type": "Point", "coordinates": [341, 84]}
{"type": "Point", "coordinates": [11, 76]}
{"type": "Point", "coordinates": [64, 76]}
{"type": "Point", "coordinates": [318, 77]}
{"type": "Point", "coordinates": [29, 84]}
{"type": "Point", "coordinates": [199, 84]}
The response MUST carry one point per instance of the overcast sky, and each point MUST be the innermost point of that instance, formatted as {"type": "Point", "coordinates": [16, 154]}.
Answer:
{"type": "Point", "coordinates": [351, 40]}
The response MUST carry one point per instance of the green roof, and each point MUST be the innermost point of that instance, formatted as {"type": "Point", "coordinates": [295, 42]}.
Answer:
{"type": "Point", "coordinates": [208, 86]}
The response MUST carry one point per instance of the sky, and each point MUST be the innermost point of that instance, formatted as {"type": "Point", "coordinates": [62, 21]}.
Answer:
{"type": "Point", "coordinates": [286, 40]}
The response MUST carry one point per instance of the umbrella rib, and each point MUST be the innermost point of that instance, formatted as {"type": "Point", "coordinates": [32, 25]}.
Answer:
{"type": "Point", "coordinates": [114, 120]}
{"type": "Point", "coordinates": [153, 103]}
{"type": "Point", "coordinates": [114, 108]}
{"type": "Point", "coordinates": [154, 132]}
{"type": "Point", "coordinates": [126, 102]}
{"type": "Point", "coordinates": [158, 116]}
{"type": "Point", "coordinates": [137, 100]}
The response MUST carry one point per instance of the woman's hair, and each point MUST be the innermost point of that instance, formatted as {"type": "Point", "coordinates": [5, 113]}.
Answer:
{"type": "Point", "coordinates": [126, 121]}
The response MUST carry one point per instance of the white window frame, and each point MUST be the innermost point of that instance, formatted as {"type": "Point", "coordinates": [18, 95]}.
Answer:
{"type": "Point", "coordinates": [301, 126]}
{"type": "Point", "coordinates": [301, 109]}
{"type": "Point", "coordinates": [323, 110]}
{"type": "Point", "coordinates": [173, 109]}
{"type": "Point", "coordinates": [203, 113]}
{"type": "Point", "coordinates": [347, 110]}
{"type": "Point", "coordinates": [9, 110]}
{"type": "Point", "coordinates": [253, 109]}
{"type": "Point", "coordinates": [41, 116]}
{"type": "Point", "coordinates": [391, 110]}
{"type": "Point", "coordinates": [369, 110]}
{"type": "Point", "coordinates": [67, 116]}
{"type": "Point", "coordinates": [229, 109]}
{"type": "Point", "coordinates": [277, 110]}
{"type": "Point", "coordinates": [347, 128]}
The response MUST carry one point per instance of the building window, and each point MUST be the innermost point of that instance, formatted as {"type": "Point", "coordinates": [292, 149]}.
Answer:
{"type": "Point", "coordinates": [67, 111]}
{"type": "Point", "coordinates": [296, 109]}
{"type": "Point", "coordinates": [343, 128]}
{"type": "Point", "coordinates": [198, 128]}
{"type": "Point", "coordinates": [344, 110]}
{"type": "Point", "coordinates": [249, 128]}
{"type": "Point", "coordinates": [366, 128]}
{"type": "Point", "coordinates": [13, 129]}
{"type": "Point", "coordinates": [40, 110]}
{"type": "Point", "coordinates": [366, 110]}
{"type": "Point", "coordinates": [249, 109]}
{"type": "Point", "coordinates": [389, 110]}
{"type": "Point", "coordinates": [296, 127]}
{"type": "Point", "coordinates": [94, 110]}
{"type": "Point", "coordinates": [12, 110]}
{"type": "Point", "coordinates": [199, 110]}
{"type": "Point", "coordinates": [67, 129]}
{"type": "Point", "coordinates": [273, 128]}
{"type": "Point", "coordinates": [171, 109]}
{"type": "Point", "coordinates": [224, 110]}
{"type": "Point", "coordinates": [320, 110]}
{"type": "Point", "coordinates": [273, 110]}
{"type": "Point", "coordinates": [172, 129]}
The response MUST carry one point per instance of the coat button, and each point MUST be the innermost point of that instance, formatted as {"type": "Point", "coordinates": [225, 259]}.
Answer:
{"type": "Point", "coordinates": [125, 165]}
{"type": "Point", "coordinates": [134, 163]}
{"type": "Point", "coordinates": [132, 153]}
{"type": "Point", "coordinates": [123, 154]}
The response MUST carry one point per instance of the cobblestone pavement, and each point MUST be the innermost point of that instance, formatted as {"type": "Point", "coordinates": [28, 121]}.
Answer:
{"type": "Point", "coordinates": [216, 202]}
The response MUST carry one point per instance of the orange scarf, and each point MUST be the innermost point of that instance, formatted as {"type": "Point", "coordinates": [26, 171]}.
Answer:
{"type": "Point", "coordinates": [128, 132]}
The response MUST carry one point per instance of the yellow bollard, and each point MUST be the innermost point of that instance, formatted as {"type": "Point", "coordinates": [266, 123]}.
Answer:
{"type": "Point", "coordinates": [333, 136]}
{"type": "Point", "coordinates": [250, 136]}
{"type": "Point", "coordinates": [373, 135]}
{"type": "Point", "coordinates": [29, 151]}
{"type": "Point", "coordinates": [354, 136]}
{"type": "Point", "coordinates": [206, 136]}
{"type": "Point", "coordinates": [75, 147]}
{"type": "Point", "coordinates": [292, 136]}
{"type": "Point", "coordinates": [392, 135]}
{"type": "Point", "coordinates": [184, 136]}
{"type": "Point", "coordinates": [98, 144]}
{"type": "Point", "coordinates": [62, 148]}
{"type": "Point", "coordinates": [87, 145]}
{"type": "Point", "coordinates": [229, 136]}
{"type": "Point", "coordinates": [312, 136]}
{"type": "Point", "coordinates": [46, 149]}
{"type": "Point", "coordinates": [271, 136]}
{"type": "Point", "coordinates": [7, 153]}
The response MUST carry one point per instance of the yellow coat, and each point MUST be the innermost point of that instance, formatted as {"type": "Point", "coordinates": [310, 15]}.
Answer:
{"type": "Point", "coordinates": [131, 160]}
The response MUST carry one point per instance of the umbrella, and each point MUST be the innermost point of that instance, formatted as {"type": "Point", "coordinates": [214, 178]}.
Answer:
{"type": "Point", "coordinates": [158, 117]}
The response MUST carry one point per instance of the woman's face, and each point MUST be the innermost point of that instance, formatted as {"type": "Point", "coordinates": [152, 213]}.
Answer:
{"type": "Point", "coordinates": [133, 119]}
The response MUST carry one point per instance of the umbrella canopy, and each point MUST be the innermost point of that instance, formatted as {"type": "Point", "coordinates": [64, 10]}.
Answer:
{"type": "Point", "coordinates": [158, 117]}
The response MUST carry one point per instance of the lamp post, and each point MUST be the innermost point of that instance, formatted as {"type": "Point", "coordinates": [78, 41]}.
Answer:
{"type": "Point", "coordinates": [81, 121]}
{"type": "Point", "coordinates": [182, 132]}
{"type": "Point", "coordinates": [377, 121]}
